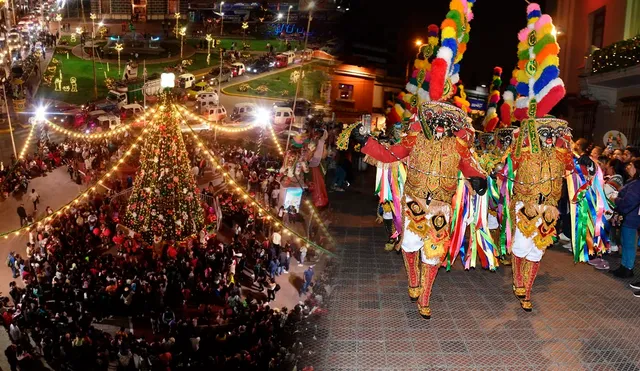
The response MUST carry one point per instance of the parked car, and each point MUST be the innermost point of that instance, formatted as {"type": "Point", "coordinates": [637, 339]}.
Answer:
{"type": "Point", "coordinates": [259, 66]}
{"type": "Point", "coordinates": [303, 106]}
{"type": "Point", "coordinates": [213, 75]}
{"type": "Point", "coordinates": [214, 113]}
{"type": "Point", "coordinates": [186, 80]}
{"type": "Point", "coordinates": [282, 61]}
{"type": "Point", "coordinates": [197, 88]}
{"type": "Point", "coordinates": [243, 111]}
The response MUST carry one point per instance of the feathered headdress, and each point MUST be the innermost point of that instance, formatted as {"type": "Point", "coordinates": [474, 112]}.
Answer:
{"type": "Point", "coordinates": [418, 84]}
{"type": "Point", "coordinates": [508, 101]}
{"type": "Point", "coordinates": [453, 43]}
{"type": "Point", "coordinates": [539, 85]}
{"type": "Point", "coordinates": [491, 118]}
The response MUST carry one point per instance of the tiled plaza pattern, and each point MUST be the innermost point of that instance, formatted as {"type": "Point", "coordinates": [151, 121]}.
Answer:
{"type": "Point", "coordinates": [582, 319]}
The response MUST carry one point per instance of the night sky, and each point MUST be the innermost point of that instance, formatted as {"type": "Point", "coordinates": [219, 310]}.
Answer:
{"type": "Point", "coordinates": [396, 25]}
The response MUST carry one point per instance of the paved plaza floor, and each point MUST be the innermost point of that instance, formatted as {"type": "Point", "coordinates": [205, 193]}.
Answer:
{"type": "Point", "coordinates": [582, 319]}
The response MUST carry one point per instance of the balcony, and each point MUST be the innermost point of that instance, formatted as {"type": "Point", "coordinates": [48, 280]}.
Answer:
{"type": "Point", "coordinates": [610, 69]}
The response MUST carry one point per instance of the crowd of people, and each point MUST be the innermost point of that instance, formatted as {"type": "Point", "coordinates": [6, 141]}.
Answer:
{"type": "Point", "coordinates": [622, 189]}
{"type": "Point", "coordinates": [193, 298]}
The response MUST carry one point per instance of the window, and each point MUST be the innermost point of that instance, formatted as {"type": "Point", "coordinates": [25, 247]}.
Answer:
{"type": "Point", "coordinates": [345, 92]}
{"type": "Point", "coordinates": [597, 27]}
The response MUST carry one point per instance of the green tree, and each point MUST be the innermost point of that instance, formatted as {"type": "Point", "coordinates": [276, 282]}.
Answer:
{"type": "Point", "coordinates": [165, 200]}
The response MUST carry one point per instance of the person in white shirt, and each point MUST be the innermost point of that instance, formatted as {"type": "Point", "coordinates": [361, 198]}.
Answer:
{"type": "Point", "coordinates": [35, 198]}
{"type": "Point", "coordinates": [276, 239]}
{"type": "Point", "coordinates": [275, 193]}
{"type": "Point", "coordinates": [195, 170]}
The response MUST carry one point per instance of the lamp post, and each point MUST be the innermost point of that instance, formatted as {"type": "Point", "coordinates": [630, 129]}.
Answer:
{"type": "Point", "coordinates": [183, 31]}
{"type": "Point", "coordinates": [279, 16]}
{"type": "Point", "coordinates": [93, 23]}
{"type": "Point", "coordinates": [209, 39]}
{"type": "Point", "coordinates": [79, 32]}
{"type": "Point", "coordinates": [245, 25]}
{"type": "Point", "coordinates": [221, 18]}
{"type": "Point", "coordinates": [59, 19]}
{"type": "Point", "coordinates": [177, 15]}
{"type": "Point", "coordinates": [119, 48]}
{"type": "Point", "coordinates": [288, 13]}
{"type": "Point", "coordinates": [6, 106]}
{"type": "Point", "coordinates": [93, 54]}
{"type": "Point", "coordinates": [295, 100]}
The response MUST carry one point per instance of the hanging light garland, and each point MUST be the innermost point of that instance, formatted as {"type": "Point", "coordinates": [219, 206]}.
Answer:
{"type": "Point", "coordinates": [275, 140]}
{"type": "Point", "coordinates": [314, 214]}
{"type": "Point", "coordinates": [84, 194]}
{"type": "Point", "coordinates": [248, 199]}
{"type": "Point", "coordinates": [27, 143]}
{"type": "Point", "coordinates": [102, 135]}
{"type": "Point", "coordinates": [225, 129]}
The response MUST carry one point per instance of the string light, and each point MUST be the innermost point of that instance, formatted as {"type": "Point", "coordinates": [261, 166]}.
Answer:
{"type": "Point", "coordinates": [249, 199]}
{"type": "Point", "coordinates": [225, 129]}
{"type": "Point", "coordinates": [83, 195]}
{"type": "Point", "coordinates": [275, 140]}
{"type": "Point", "coordinates": [314, 214]}
{"type": "Point", "coordinates": [107, 134]}
{"type": "Point", "coordinates": [25, 147]}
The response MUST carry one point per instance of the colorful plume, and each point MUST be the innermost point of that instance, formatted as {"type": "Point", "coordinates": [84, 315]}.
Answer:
{"type": "Point", "coordinates": [539, 85]}
{"type": "Point", "coordinates": [421, 76]}
{"type": "Point", "coordinates": [508, 101]}
{"type": "Point", "coordinates": [453, 43]}
{"type": "Point", "coordinates": [491, 118]}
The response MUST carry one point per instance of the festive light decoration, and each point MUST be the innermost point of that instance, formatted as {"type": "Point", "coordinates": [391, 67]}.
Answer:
{"type": "Point", "coordinates": [164, 201]}
{"type": "Point", "coordinates": [625, 53]}
{"type": "Point", "coordinates": [119, 47]}
{"type": "Point", "coordinates": [209, 38]}
{"type": "Point", "coordinates": [225, 129]}
{"type": "Point", "coordinates": [101, 135]}
{"type": "Point", "coordinates": [274, 137]}
{"type": "Point", "coordinates": [491, 119]}
{"type": "Point", "coordinates": [453, 43]}
{"type": "Point", "coordinates": [177, 16]}
{"type": "Point", "coordinates": [539, 84]}
{"type": "Point", "coordinates": [27, 142]}
{"type": "Point", "coordinates": [84, 194]}
{"type": "Point", "coordinates": [247, 198]}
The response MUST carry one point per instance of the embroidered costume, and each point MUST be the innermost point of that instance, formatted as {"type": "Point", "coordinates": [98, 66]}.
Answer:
{"type": "Point", "coordinates": [541, 156]}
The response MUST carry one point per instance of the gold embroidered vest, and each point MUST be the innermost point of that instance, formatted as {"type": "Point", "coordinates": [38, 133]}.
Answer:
{"type": "Point", "coordinates": [541, 174]}
{"type": "Point", "coordinates": [438, 157]}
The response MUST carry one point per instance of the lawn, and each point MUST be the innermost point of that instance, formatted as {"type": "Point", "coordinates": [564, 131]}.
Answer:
{"type": "Point", "coordinates": [67, 38]}
{"type": "Point", "coordinates": [82, 70]}
{"type": "Point", "coordinates": [280, 82]}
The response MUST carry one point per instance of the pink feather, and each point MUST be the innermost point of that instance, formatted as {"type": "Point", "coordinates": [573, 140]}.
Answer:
{"type": "Point", "coordinates": [523, 34]}
{"type": "Point", "coordinates": [532, 7]}
{"type": "Point", "coordinates": [542, 21]}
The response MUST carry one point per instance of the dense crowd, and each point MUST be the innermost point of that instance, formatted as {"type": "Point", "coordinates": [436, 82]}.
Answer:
{"type": "Point", "coordinates": [620, 168]}
{"type": "Point", "coordinates": [82, 268]}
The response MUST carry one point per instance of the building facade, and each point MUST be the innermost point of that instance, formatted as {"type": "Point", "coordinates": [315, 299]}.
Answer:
{"type": "Point", "coordinates": [600, 64]}
{"type": "Point", "coordinates": [139, 10]}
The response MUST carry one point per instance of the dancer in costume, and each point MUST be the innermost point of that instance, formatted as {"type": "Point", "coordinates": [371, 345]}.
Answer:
{"type": "Point", "coordinates": [435, 158]}
{"type": "Point", "coordinates": [541, 156]}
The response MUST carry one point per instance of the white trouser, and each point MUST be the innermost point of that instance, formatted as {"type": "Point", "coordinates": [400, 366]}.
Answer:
{"type": "Point", "coordinates": [411, 242]}
{"type": "Point", "coordinates": [524, 247]}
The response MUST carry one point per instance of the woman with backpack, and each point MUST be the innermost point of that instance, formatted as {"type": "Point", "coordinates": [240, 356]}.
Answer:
{"type": "Point", "coordinates": [627, 205]}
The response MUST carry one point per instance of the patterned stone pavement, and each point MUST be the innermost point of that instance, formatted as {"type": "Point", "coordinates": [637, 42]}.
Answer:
{"type": "Point", "coordinates": [582, 319]}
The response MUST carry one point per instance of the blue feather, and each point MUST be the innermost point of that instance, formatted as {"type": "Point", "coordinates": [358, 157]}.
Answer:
{"type": "Point", "coordinates": [548, 75]}
{"type": "Point", "coordinates": [534, 14]}
{"type": "Point", "coordinates": [451, 44]}
{"type": "Point", "coordinates": [522, 88]}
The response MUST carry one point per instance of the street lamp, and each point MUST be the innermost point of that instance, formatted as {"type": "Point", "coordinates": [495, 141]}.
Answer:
{"type": "Point", "coordinates": [279, 16]}
{"type": "Point", "coordinates": [221, 18]}
{"type": "Point", "coordinates": [221, 22]}
{"type": "Point", "coordinates": [295, 100]}
{"type": "Point", "coordinates": [209, 39]}
{"type": "Point", "coordinates": [59, 19]}
{"type": "Point", "coordinates": [418, 43]}
{"type": "Point", "coordinates": [183, 31]}
{"type": "Point", "coordinates": [119, 48]}
{"type": "Point", "coordinates": [245, 25]}
{"type": "Point", "coordinates": [289, 12]}
{"type": "Point", "coordinates": [177, 15]}
{"type": "Point", "coordinates": [93, 23]}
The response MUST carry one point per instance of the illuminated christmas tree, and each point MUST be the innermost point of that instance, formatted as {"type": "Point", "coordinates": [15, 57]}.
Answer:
{"type": "Point", "coordinates": [164, 202]}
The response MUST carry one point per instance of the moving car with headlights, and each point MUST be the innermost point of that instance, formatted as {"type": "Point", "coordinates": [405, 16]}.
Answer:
{"type": "Point", "coordinates": [213, 75]}
{"type": "Point", "coordinates": [259, 66]}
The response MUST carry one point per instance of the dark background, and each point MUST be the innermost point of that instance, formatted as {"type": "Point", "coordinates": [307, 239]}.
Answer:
{"type": "Point", "coordinates": [395, 25]}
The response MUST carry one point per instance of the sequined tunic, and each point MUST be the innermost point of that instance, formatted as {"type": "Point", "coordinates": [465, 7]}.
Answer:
{"type": "Point", "coordinates": [439, 157]}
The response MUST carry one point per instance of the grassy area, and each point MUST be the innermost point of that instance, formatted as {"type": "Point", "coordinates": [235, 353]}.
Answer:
{"type": "Point", "coordinates": [280, 82]}
{"type": "Point", "coordinates": [82, 70]}
{"type": "Point", "coordinates": [67, 38]}
{"type": "Point", "coordinates": [256, 45]}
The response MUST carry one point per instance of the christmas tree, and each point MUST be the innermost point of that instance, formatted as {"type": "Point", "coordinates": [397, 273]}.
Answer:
{"type": "Point", "coordinates": [164, 202]}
